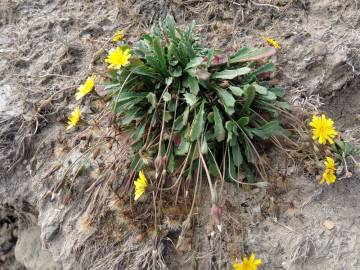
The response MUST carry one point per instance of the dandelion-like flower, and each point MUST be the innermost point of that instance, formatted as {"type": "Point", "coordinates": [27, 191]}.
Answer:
{"type": "Point", "coordinates": [85, 88]}
{"type": "Point", "coordinates": [140, 185]}
{"type": "Point", "coordinates": [118, 36]}
{"type": "Point", "coordinates": [74, 118]}
{"type": "Point", "coordinates": [118, 58]}
{"type": "Point", "coordinates": [323, 129]}
{"type": "Point", "coordinates": [329, 174]}
{"type": "Point", "coordinates": [272, 42]}
{"type": "Point", "coordinates": [248, 263]}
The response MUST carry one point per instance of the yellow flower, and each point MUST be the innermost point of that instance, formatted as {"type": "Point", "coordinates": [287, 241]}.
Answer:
{"type": "Point", "coordinates": [74, 118]}
{"type": "Point", "coordinates": [271, 42]}
{"type": "Point", "coordinates": [248, 264]}
{"type": "Point", "coordinates": [85, 88]}
{"type": "Point", "coordinates": [323, 129]}
{"type": "Point", "coordinates": [329, 174]}
{"type": "Point", "coordinates": [118, 58]}
{"type": "Point", "coordinates": [140, 185]}
{"type": "Point", "coordinates": [118, 36]}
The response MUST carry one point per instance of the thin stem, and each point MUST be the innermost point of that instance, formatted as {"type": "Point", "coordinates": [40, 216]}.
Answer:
{"type": "Point", "coordinates": [212, 191]}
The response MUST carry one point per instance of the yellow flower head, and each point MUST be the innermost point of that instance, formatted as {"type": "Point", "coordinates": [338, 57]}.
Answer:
{"type": "Point", "coordinates": [329, 173]}
{"type": "Point", "coordinates": [140, 185]}
{"type": "Point", "coordinates": [118, 58]}
{"type": "Point", "coordinates": [323, 129]}
{"type": "Point", "coordinates": [118, 36]}
{"type": "Point", "coordinates": [74, 118]}
{"type": "Point", "coordinates": [272, 42]}
{"type": "Point", "coordinates": [248, 264]}
{"type": "Point", "coordinates": [85, 88]}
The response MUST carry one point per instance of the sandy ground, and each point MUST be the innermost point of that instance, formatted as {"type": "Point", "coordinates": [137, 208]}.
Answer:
{"type": "Point", "coordinates": [48, 47]}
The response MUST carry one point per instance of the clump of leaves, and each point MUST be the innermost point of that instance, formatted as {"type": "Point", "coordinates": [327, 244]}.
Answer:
{"type": "Point", "coordinates": [189, 107]}
{"type": "Point", "coordinates": [344, 152]}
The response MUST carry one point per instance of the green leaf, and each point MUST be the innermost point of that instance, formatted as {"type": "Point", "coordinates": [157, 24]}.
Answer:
{"type": "Point", "coordinates": [171, 162]}
{"type": "Point", "coordinates": [248, 173]}
{"type": "Point", "coordinates": [193, 85]}
{"type": "Point", "coordinates": [204, 147]}
{"type": "Point", "coordinates": [160, 55]}
{"type": "Point", "coordinates": [178, 123]}
{"type": "Point", "coordinates": [270, 96]}
{"type": "Point", "coordinates": [194, 62]}
{"type": "Point", "coordinates": [127, 96]}
{"type": "Point", "coordinates": [210, 117]}
{"type": "Point", "coordinates": [190, 99]}
{"type": "Point", "coordinates": [168, 81]}
{"type": "Point", "coordinates": [279, 92]}
{"type": "Point", "coordinates": [232, 170]}
{"type": "Point", "coordinates": [198, 124]}
{"type": "Point", "coordinates": [260, 89]}
{"type": "Point", "coordinates": [210, 56]}
{"type": "Point", "coordinates": [212, 166]}
{"type": "Point", "coordinates": [139, 131]}
{"type": "Point", "coordinates": [249, 152]}
{"type": "Point", "coordinates": [229, 125]}
{"type": "Point", "coordinates": [252, 54]}
{"type": "Point", "coordinates": [283, 105]}
{"type": "Point", "coordinates": [145, 71]}
{"type": "Point", "coordinates": [226, 97]}
{"type": "Point", "coordinates": [167, 116]}
{"type": "Point", "coordinates": [219, 128]}
{"type": "Point", "coordinates": [130, 115]}
{"type": "Point", "coordinates": [237, 91]}
{"type": "Point", "coordinates": [183, 147]}
{"type": "Point", "coordinates": [177, 72]}
{"type": "Point", "coordinates": [152, 99]}
{"type": "Point", "coordinates": [236, 155]}
{"type": "Point", "coordinates": [272, 128]}
{"type": "Point", "coordinates": [230, 74]}
{"type": "Point", "coordinates": [136, 163]}
{"type": "Point", "coordinates": [186, 115]}
{"type": "Point", "coordinates": [268, 67]}
{"type": "Point", "coordinates": [250, 93]}
{"type": "Point", "coordinates": [166, 96]}
{"type": "Point", "coordinates": [243, 121]}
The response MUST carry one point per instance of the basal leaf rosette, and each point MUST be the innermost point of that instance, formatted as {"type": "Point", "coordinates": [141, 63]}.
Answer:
{"type": "Point", "coordinates": [179, 100]}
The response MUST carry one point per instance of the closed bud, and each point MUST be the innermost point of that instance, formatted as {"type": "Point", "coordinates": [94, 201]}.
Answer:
{"type": "Point", "coordinates": [216, 211]}
{"type": "Point", "coordinates": [157, 164]}
{"type": "Point", "coordinates": [224, 84]}
{"type": "Point", "coordinates": [164, 161]}
{"type": "Point", "coordinates": [164, 173]}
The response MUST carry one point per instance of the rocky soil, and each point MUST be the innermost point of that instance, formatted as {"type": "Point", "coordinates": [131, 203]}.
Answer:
{"type": "Point", "coordinates": [48, 47]}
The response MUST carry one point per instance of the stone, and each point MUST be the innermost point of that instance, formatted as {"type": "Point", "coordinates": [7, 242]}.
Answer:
{"type": "Point", "coordinates": [29, 252]}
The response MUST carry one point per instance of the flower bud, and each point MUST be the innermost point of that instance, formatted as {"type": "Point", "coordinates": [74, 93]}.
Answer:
{"type": "Point", "coordinates": [216, 211]}
{"type": "Point", "coordinates": [164, 173]}
{"type": "Point", "coordinates": [157, 164]}
{"type": "Point", "coordinates": [224, 84]}
{"type": "Point", "coordinates": [164, 161]}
